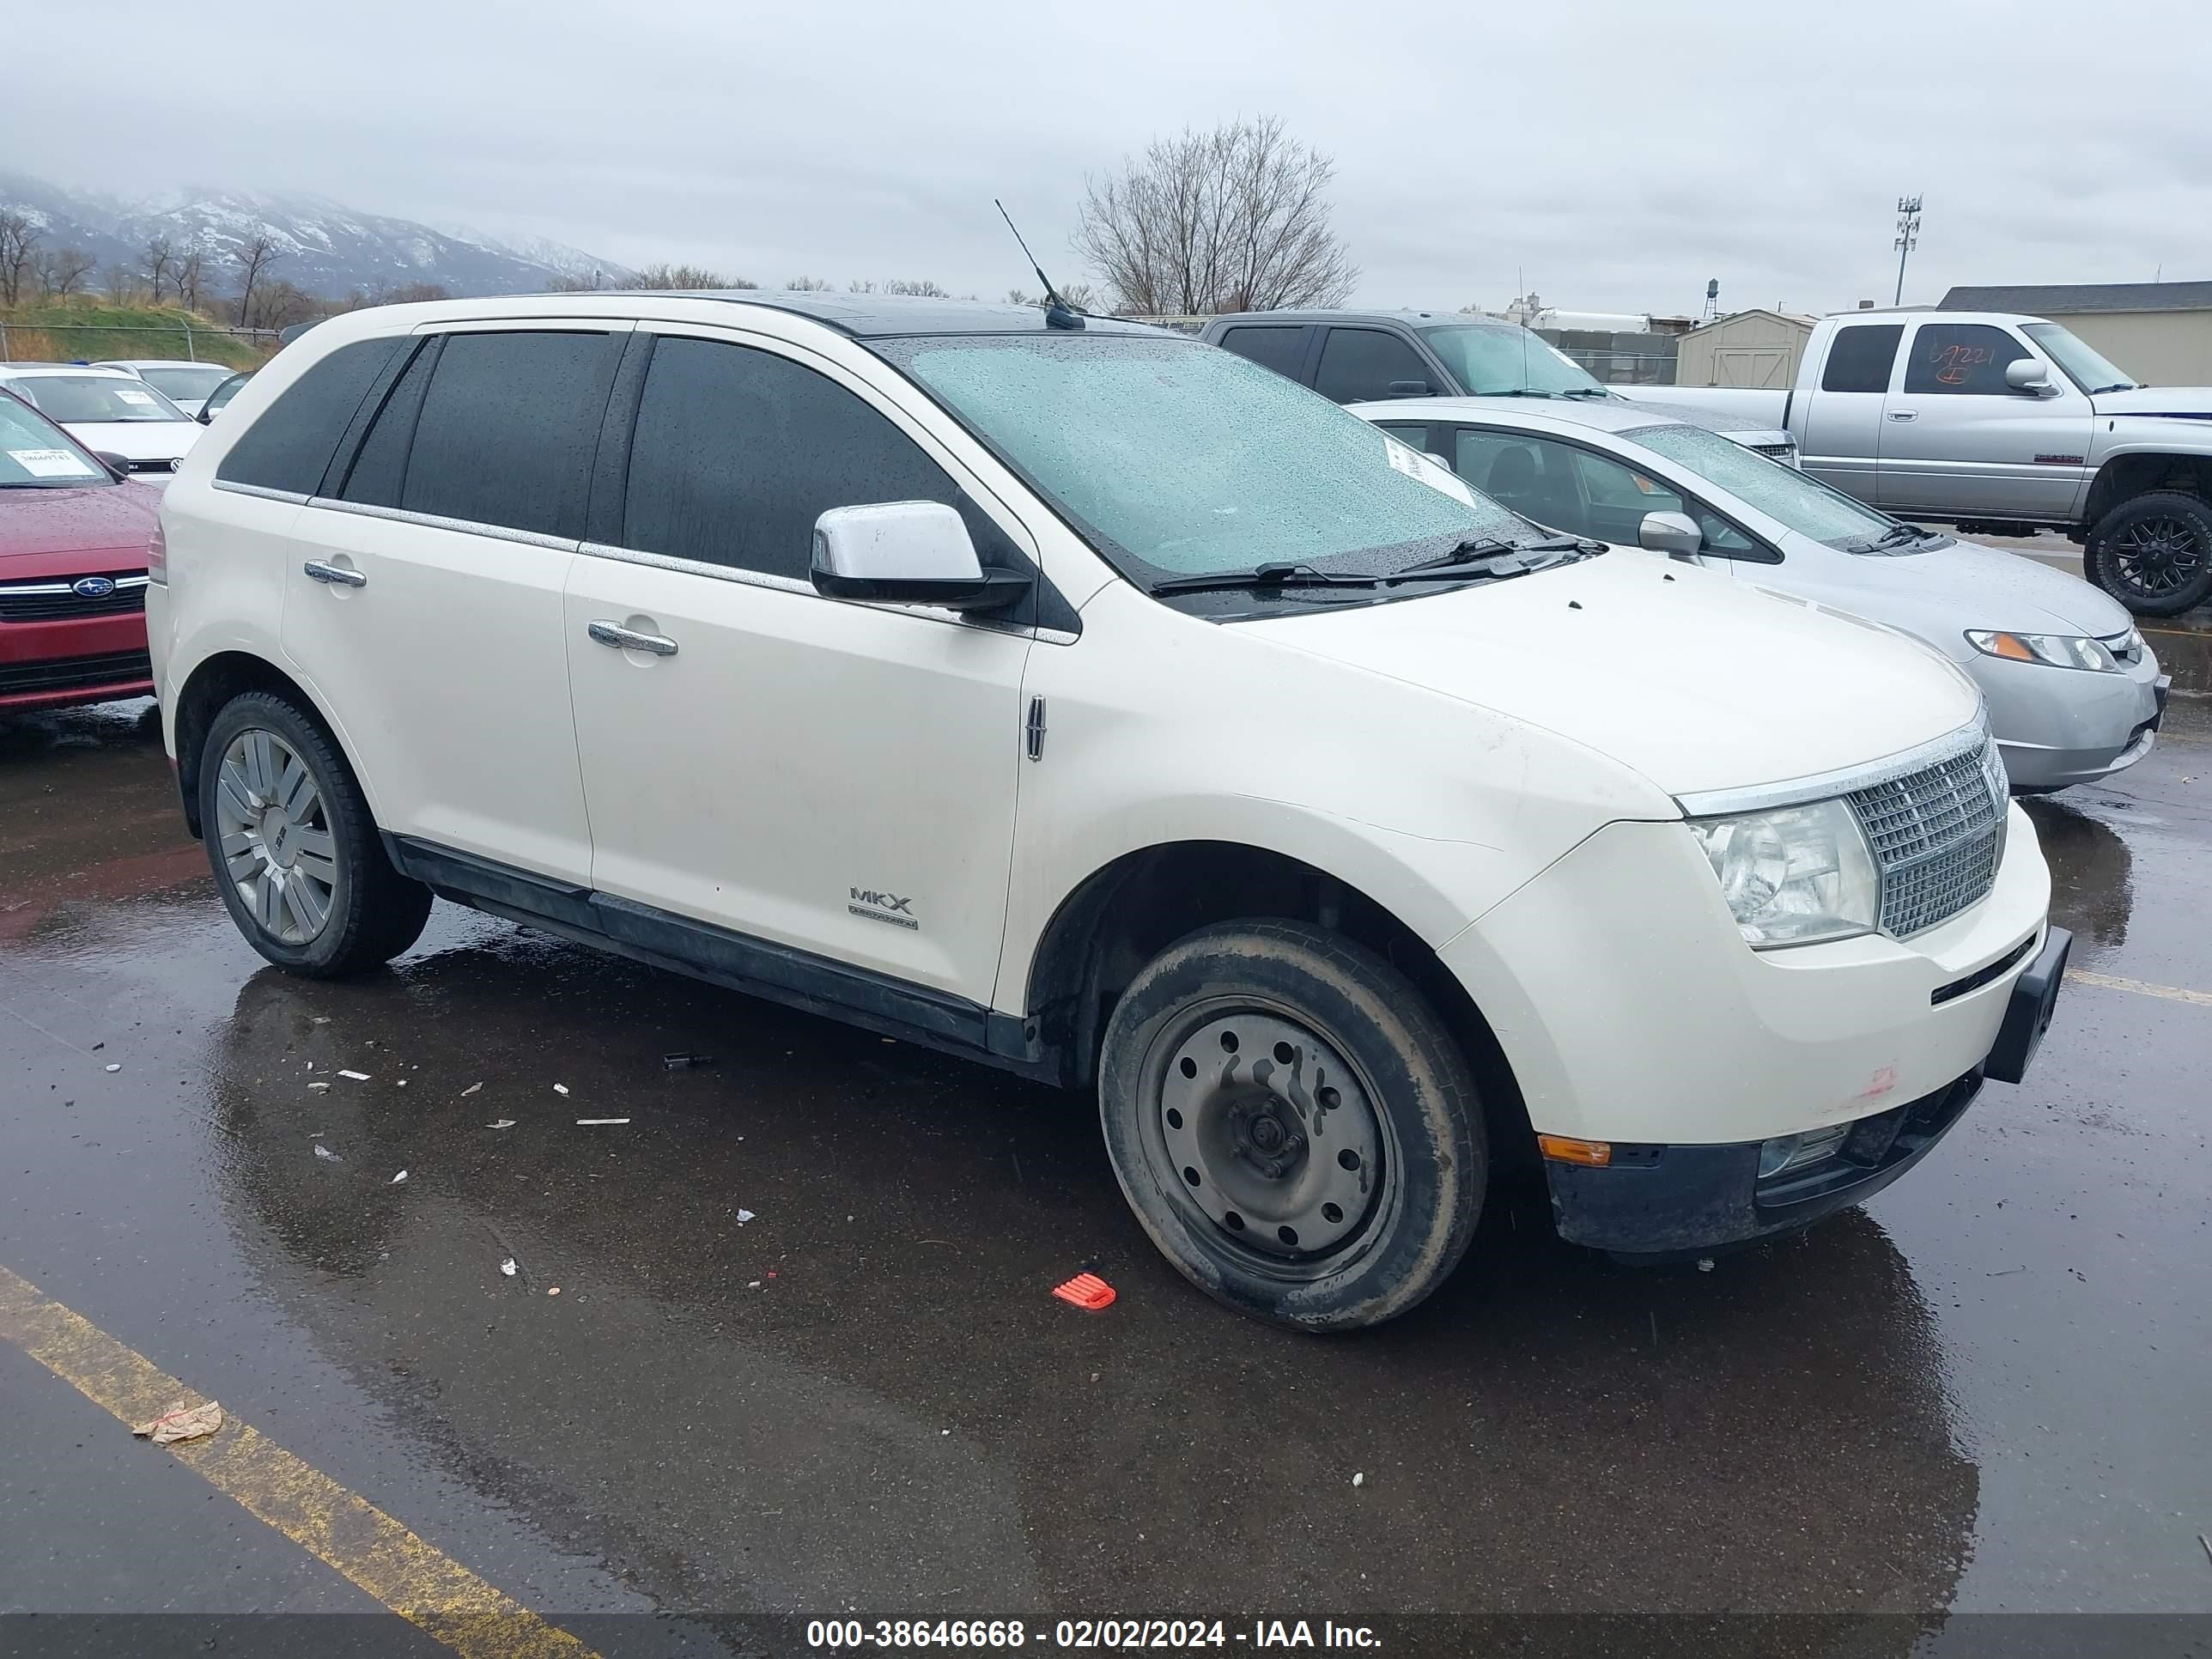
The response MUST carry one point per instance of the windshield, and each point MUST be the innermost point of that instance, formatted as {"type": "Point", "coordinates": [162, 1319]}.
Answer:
{"type": "Point", "coordinates": [2085, 366]}
{"type": "Point", "coordinates": [35, 453]}
{"type": "Point", "coordinates": [191, 381]}
{"type": "Point", "coordinates": [1180, 459]}
{"type": "Point", "coordinates": [1795, 500]}
{"type": "Point", "coordinates": [1489, 358]}
{"type": "Point", "coordinates": [95, 398]}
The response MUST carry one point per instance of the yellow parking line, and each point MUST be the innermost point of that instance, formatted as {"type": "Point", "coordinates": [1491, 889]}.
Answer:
{"type": "Point", "coordinates": [2140, 986]}
{"type": "Point", "coordinates": [417, 1581]}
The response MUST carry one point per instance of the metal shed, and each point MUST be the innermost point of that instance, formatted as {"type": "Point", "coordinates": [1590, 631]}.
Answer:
{"type": "Point", "coordinates": [1758, 349]}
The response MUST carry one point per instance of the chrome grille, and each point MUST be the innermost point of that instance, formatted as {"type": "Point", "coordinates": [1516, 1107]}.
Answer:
{"type": "Point", "coordinates": [1936, 835]}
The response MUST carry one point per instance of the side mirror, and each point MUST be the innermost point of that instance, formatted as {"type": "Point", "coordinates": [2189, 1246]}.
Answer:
{"type": "Point", "coordinates": [2026, 374]}
{"type": "Point", "coordinates": [115, 463]}
{"type": "Point", "coordinates": [906, 553]}
{"type": "Point", "coordinates": [1674, 534]}
{"type": "Point", "coordinates": [1409, 388]}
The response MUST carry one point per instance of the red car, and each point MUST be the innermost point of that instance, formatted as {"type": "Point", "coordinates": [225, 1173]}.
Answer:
{"type": "Point", "coordinates": [73, 542]}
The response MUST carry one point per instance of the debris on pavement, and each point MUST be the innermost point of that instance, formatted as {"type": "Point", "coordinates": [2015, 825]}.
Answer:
{"type": "Point", "coordinates": [397, 1179]}
{"type": "Point", "coordinates": [113, 1067]}
{"type": "Point", "coordinates": [1359, 1477]}
{"type": "Point", "coordinates": [1086, 1291]}
{"type": "Point", "coordinates": [560, 1088]}
{"type": "Point", "coordinates": [503, 1123]}
{"type": "Point", "coordinates": [471, 1089]}
{"type": "Point", "coordinates": [593, 1122]}
{"type": "Point", "coordinates": [357, 1077]}
{"type": "Point", "coordinates": [182, 1422]}
{"type": "Point", "coordinates": [753, 1285]}
{"type": "Point", "coordinates": [326, 1154]}
{"type": "Point", "coordinates": [319, 1087]}
{"type": "Point", "coordinates": [1704, 1264]}
{"type": "Point", "coordinates": [743, 1216]}
{"type": "Point", "coordinates": [508, 1267]}
{"type": "Point", "coordinates": [552, 1290]}
{"type": "Point", "coordinates": [686, 1060]}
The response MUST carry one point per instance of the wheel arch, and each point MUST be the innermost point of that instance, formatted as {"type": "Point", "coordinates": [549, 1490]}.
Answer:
{"type": "Point", "coordinates": [212, 684]}
{"type": "Point", "coordinates": [2138, 472]}
{"type": "Point", "coordinates": [1122, 914]}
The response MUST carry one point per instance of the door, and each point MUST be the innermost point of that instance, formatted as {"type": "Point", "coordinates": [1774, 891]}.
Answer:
{"type": "Point", "coordinates": [424, 605]}
{"type": "Point", "coordinates": [837, 778]}
{"type": "Point", "coordinates": [1841, 441]}
{"type": "Point", "coordinates": [1958, 441]}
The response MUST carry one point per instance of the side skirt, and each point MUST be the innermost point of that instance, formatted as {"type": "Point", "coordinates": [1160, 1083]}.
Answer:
{"type": "Point", "coordinates": [738, 962]}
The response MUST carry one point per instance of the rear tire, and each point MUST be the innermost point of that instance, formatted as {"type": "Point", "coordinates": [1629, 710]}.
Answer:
{"type": "Point", "coordinates": [295, 852]}
{"type": "Point", "coordinates": [1293, 1125]}
{"type": "Point", "coordinates": [2153, 553]}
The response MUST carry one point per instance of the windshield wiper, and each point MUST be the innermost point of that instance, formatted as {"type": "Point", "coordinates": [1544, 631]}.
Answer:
{"type": "Point", "coordinates": [2118, 386]}
{"type": "Point", "coordinates": [1597, 392]}
{"type": "Point", "coordinates": [1486, 547]}
{"type": "Point", "coordinates": [1262, 575]}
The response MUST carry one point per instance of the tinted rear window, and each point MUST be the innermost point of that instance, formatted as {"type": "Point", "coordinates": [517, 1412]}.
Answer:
{"type": "Point", "coordinates": [290, 446]}
{"type": "Point", "coordinates": [1280, 348]}
{"type": "Point", "coordinates": [1859, 358]}
{"type": "Point", "coordinates": [506, 430]}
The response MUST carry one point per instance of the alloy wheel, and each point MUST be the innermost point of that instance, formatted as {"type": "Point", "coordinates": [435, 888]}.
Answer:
{"type": "Point", "coordinates": [275, 836]}
{"type": "Point", "coordinates": [2157, 556]}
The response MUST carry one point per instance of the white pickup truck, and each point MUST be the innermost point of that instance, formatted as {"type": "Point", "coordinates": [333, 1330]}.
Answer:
{"type": "Point", "coordinates": [2000, 423]}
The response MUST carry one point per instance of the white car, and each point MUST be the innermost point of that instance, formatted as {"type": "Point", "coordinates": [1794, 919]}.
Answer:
{"type": "Point", "coordinates": [184, 383]}
{"type": "Point", "coordinates": [111, 413]}
{"type": "Point", "coordinates": [2074, 694]}
{"type": "Point", "coordinates": [1090, 701]}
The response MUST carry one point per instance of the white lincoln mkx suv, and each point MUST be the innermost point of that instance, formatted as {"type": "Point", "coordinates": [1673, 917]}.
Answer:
{"type": "Point", "coordinates": [1091, 702]}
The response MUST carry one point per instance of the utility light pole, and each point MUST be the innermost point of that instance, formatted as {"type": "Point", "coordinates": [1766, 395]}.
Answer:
{"type": "Point", "coordinates": [1908, 238]}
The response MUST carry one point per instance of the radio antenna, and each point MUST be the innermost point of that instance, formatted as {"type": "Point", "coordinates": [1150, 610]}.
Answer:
{"type": "Point", "coordinates": [1057, 314]}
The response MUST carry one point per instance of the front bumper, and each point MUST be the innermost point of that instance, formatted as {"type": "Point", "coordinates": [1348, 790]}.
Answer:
{"type": "Point", "coordinates": [53, 665]}
{"type": "Point", "coordinates": [2056, 726]}
{"type": "Point", "coordinates": [1657, 1203]}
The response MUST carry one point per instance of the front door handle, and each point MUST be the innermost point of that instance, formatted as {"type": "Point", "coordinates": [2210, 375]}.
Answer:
{"type": "Point", "coordinates": [1904, 414]}
{"type": "Point", "coordinates": [328, 573]}
{"type": "Point", "coordinates": [626, 638]}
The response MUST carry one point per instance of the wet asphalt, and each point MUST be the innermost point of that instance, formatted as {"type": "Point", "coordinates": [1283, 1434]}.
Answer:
{"type": "Point", "coordinates": [1989, 1391]}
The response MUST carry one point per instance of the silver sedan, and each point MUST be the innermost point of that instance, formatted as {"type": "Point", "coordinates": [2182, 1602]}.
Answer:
{"type": "Point", "coordinates": [2074, 692]}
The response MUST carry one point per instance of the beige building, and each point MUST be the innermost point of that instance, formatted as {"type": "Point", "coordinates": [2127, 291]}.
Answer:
{"type": "Point", "coordinates": [2158, 333]}
{"type": "Point", "coordinates": [1755, 348]}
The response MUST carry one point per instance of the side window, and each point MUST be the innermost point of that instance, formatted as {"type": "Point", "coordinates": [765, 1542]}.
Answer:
{"type": "Point", "coordinates": [1860, 357]}
{"type": "Point", "coordinates": [1968, 358]}
{"type": "Point", "coordinates": [1610, 484]}
{"type": "Point", "coordinates": [1360, 365]}
{"type": "Point", "coordinates": [737, 452]}
{"type": "Point", "coordinates": [1535, 479]}
{"type": "Point", "coordinates": [291, 445]}
{"type": "Point", "coordinates": [379, 472]}
{"type": "Point", "coordinates": [1271, 346]}
{"type": "Point", "coordinates": [507, 428]}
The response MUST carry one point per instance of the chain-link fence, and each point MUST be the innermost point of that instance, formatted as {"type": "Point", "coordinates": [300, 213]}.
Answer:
{"type": "Point", "coordinates": [184, 338]}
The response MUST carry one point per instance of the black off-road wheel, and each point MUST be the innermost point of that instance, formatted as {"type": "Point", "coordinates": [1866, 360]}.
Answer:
{"type": "Point", "coordinates": [2153, 553]}
{"type": "Point", "coordinates": [295, 854]}
{"type": "Point", "coordinates": [1293, 1125]}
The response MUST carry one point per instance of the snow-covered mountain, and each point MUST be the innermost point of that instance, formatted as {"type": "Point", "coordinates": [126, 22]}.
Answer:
{"type": "Point", "coordinates": [325, 247]}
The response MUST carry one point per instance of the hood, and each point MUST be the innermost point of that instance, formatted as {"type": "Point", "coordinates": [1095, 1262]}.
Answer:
{"type": "Point", "coordinates": [1991, 588]}
{"type": "Point", "coordinates": [2189, 402]}
{"type": "Point", "coordinates": [1751, 432]}
{"type": "Point", "coordinates": [1683, 674]}
{"type": "Point", "coordinates": [136, 440]}
{"type": "Point", "coordinates": [53, 533]}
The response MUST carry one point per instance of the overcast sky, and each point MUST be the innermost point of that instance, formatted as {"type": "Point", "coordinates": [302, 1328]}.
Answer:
{"type": "Point", "coordinates": [1613, 153]}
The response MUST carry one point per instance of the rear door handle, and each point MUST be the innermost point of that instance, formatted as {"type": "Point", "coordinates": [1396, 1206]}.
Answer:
{"type": "Point", "coordinates": [328, 573]}
{"type": "Point", "coordinates": [626, 638]}
{"type": "Point", "coordinates": [1904, 414]}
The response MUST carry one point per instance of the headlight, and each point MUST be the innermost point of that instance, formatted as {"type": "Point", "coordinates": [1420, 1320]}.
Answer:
{"type": "Point", "coordinates": [1794, 875]}
{"type": "Point", "coordinates": [2059, 650]}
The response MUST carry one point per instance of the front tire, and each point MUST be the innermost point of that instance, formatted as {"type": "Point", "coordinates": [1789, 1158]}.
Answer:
{"type": "Point", "coordinates": [295, 852]}
{"type": "Point", "coordinates": [1294, 1127]}
{"type": "Point", "coordinates": [2153, 553]}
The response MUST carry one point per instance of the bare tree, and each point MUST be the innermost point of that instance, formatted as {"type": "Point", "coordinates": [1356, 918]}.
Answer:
{"type": "Point", "coordinates": [809, 285]}
{"type": "Point", "coordinates": [856, 286]}
{"type": "Point", "coordinates": [1236, 219]}
{"type": "Point", "coordinates": [1081, 295]}
{"type": "Point", "coordinates": [254, 257]}
{"type": "Point", "coordinates": [278, 304]}
{"type": "Point", "coordinates": [122, 280]}
{"type": "Point", "coordinates": [191, 277]}
{"type": "Point", "coordinates": [668, 276]}
{"type": "Point", "coordinates": [62, 271]}
{"type": "Point", "coordinates": [568, 283]}
{"type": "Point", "coordinates": [19, 252]}
{"type": "Point", "coordinates": [159, 258]}
{"type": "Point", "coordinates": [923, 289]}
